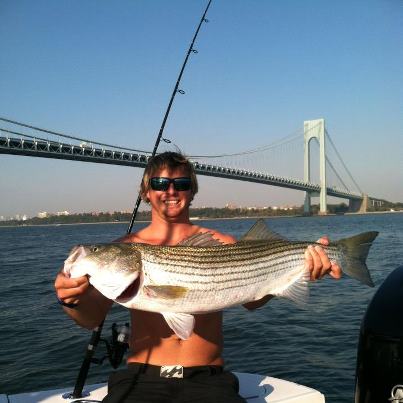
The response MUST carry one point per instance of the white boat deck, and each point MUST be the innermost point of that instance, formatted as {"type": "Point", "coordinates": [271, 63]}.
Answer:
{"type": "Point", "coordinates": [254, 388]}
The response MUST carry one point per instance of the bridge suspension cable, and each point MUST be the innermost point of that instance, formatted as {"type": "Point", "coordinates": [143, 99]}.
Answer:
{"type": "Point", "coordinates": [341, 160]}
{"type": "Point", "coordinates": [336, 173]}
{"type": "Point", "coordinates": [256, 158]}
{"type": "Point", "coordinates": [65, 136]}
{"type": "Point", "coordinates": [275, 144]}
{"type": "Point", "coordinates": [331, 166]}
{"type": "Point", "coordinates": [259, 154]}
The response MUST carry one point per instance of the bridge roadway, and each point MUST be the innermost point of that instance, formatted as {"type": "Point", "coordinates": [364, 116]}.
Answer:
{"type": "Point", "coordinates": [52, 149]}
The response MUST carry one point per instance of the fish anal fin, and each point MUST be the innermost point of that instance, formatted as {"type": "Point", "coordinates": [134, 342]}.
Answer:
{"type": "Point", "coordinates": [165, 291]}
{"type": "Point", "coordinates": [181, 323]}
{"type": "Point", "coordinates": [260, 231]}
{"type": "Point", "coordinates": [297, 291]}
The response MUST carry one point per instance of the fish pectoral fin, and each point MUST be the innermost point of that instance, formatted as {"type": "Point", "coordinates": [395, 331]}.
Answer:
{"type": "Point", "coordinates": [181, 323]}
{"type": "Point", "coordinates": [165, 291]}
{"type": "Point", "coordinates": [260, 231]}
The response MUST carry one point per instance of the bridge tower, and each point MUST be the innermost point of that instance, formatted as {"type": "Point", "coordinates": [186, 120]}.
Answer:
{"type": "Point", "coordinates": [315, 129]}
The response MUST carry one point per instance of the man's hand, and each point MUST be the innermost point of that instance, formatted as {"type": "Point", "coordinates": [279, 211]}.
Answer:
{"type": "Point", "coordinates": [69, 289]}
{"type": "Point", "coordinates": [318, 263]}
{"type": "Point", "coordinates": [92, 306]}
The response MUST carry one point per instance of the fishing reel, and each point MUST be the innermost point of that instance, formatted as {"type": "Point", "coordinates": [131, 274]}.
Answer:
{"type": "Point", "coordinates": [116, 346]}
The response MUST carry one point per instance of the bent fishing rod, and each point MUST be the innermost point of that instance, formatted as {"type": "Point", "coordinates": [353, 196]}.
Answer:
{"type": "Point", "coordinates": [174, 92]}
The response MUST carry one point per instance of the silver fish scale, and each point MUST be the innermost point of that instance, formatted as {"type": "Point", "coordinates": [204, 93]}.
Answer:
{"type": "Point", "coordinates": [220, 276]}
{"type": "Point", "coordinates": [210, 261]}
{"type": "Point", "coordinates": [209, 255]}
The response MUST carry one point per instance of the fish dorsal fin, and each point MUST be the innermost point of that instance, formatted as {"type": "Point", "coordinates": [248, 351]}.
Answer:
{"type": "Point", "coordinates": [260, 231]}
{"type": "Point", "coordinates": [181, 323]}
{"type": "Point", "coordinates": [200, 239]}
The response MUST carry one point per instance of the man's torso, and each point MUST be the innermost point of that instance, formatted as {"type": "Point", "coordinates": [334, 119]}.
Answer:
{"type": "Point", "coordinates": [153, 342]}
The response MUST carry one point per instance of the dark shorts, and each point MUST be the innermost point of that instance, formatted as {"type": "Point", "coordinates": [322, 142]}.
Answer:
{"type": "Point", "coordinates": [143, 383]}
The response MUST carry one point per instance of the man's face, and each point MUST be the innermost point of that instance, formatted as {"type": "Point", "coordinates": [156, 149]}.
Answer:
{"type": "Point", "coordinates": [170, 204]}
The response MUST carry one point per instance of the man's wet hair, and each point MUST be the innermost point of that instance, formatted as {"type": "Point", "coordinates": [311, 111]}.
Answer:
{"type": "Point", "coordinates": [167, 160]}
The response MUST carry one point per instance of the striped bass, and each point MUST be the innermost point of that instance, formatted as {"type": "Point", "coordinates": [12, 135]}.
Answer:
{"type": "Point", "coordinates": [202, 275]}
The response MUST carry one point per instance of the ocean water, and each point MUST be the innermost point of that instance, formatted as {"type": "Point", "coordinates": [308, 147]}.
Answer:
{"type": "Point", "coordinates": [41, 348]}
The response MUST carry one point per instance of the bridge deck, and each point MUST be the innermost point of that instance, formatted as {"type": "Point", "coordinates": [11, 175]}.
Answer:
{"type": "Point", "coordinates": [52, 149]}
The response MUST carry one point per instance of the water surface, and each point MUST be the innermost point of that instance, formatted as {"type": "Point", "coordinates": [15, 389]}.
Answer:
{"type": "Point", "coordinates": [41, 348]}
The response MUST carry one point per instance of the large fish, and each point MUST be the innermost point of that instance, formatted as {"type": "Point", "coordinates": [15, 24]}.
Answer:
{"type": "Point", "coordinates": [201, 275]}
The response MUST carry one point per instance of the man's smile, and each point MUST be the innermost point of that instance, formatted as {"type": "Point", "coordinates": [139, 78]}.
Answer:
{"type": "Point", "coordinates": [171, 202]}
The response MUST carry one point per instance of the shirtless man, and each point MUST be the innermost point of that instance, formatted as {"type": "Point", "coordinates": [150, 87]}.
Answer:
{"type": "Point", "coordinates": [169, 185]}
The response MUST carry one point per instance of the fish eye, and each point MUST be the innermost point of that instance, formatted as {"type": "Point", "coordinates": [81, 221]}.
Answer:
{"type": "Point", "coordinates": [94, 249]}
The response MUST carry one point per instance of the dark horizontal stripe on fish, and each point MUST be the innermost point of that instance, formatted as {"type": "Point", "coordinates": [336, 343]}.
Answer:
{"type": "Point", "coordinates": [223, 286]}
{"type": "Point", "coordinates": [217, 256]}
{"type": "Point", "coordinates": [237, 266]}
{"type": "Point", "coordinates": [262, 269]}
{"type": "Point", "coordinates": [233, 272]}
{"type": "Point", "coordinates": [205, 265]}
{"type": "Point", "coordinates": [187, 250]}
{"type": "Point", "coordinates": [216, 262]}
{"type": "Point", "coordinates": [220, 261]}
{"type": "Point", "coordinates": [230, 249]}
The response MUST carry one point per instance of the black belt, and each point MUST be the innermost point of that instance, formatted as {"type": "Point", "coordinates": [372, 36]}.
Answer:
{"type": "Point", "coordinates": [174, 371]}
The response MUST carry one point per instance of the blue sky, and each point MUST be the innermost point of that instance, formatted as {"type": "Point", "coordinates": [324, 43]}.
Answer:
{"type": "Point", "coordinates": [105, 70]}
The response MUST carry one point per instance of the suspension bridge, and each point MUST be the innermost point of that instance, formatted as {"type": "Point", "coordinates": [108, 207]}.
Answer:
{"type": "Point", "coordinates": [250, 165]}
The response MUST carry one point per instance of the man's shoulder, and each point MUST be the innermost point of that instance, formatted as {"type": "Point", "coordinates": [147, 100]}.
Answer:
{"type": "Point", "coordinates": [130, 238]}
{"type": "Point", "coordinates": [148, 237]}
{"type": "Point", "coordinates": [144, 235]}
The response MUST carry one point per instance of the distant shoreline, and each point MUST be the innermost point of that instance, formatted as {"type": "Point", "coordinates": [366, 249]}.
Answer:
{"type": "Point", "coordinates": [203, 219]}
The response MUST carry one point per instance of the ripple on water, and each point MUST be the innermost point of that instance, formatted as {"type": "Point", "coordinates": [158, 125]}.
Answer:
{"type": "Point", "coordinates": [316, 346]}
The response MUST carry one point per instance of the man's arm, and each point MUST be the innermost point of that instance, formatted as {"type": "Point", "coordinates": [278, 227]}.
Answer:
{"type": "Point", "coordinates": [92, 306]}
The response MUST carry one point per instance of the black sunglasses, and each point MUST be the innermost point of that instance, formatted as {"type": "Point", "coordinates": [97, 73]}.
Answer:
{"type": "Point", "coordinates": [162, 184]}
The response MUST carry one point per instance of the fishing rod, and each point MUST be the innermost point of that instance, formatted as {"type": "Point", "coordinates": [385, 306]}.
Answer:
{"type": "Point", "coordinates": [85, 366]}
{"type": "Point", "coordinates": [96, 336]}
{"type": "Point", "coordinates": [174, 92]}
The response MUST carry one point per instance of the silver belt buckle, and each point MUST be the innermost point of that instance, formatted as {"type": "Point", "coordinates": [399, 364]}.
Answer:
{"type": "Point", "coordinates": [171, 371]}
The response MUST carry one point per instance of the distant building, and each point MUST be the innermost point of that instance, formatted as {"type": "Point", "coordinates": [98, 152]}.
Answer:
{"type": "Point", "coordinates": [42, 214]}
{"type": "Point", "coordinates": [60, 213]}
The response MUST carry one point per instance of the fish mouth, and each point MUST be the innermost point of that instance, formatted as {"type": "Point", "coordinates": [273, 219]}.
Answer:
{"type": "Point", "coordinates": [76, 254]}
{"type": "Point", "coordinates": [130, 291]}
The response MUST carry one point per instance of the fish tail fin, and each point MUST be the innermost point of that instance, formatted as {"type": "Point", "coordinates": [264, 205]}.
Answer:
{"type": "Point", "coordinates": [356, 250]}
